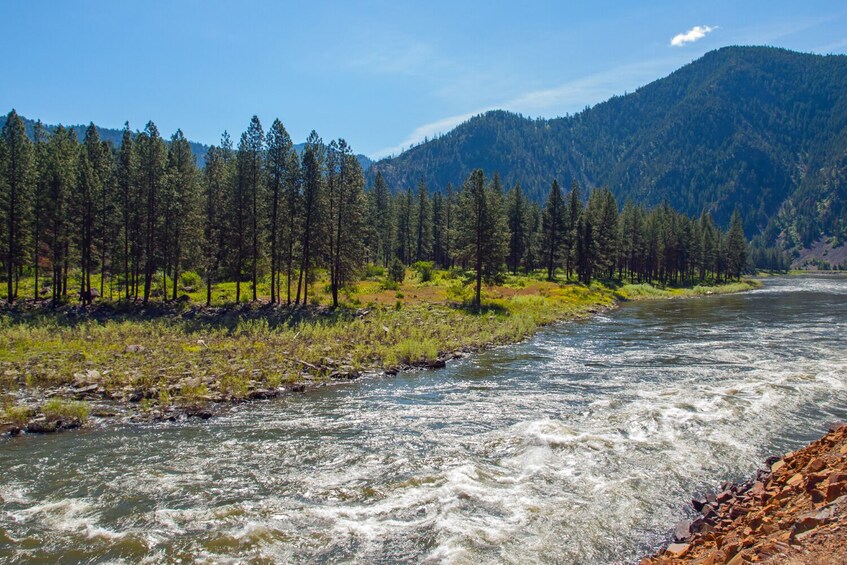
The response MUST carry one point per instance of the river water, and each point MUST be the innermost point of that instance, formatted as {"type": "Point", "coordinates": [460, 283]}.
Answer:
{"type": "Point", "coordinates": [580, 445]}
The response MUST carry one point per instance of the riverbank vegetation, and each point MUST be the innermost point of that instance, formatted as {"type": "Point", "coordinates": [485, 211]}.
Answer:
{"type": "Point", "coordinates": [178, 357]}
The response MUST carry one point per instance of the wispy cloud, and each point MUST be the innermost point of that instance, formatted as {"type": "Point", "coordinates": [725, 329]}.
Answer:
{"type": "Point", "coordinates": [571, 96]}
{"type": "Point", "coordinates": [696, 33]}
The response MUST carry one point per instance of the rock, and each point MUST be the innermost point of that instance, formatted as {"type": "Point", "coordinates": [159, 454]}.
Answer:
{"type": "Point", "coordinates": [816, 465]}
{"type": "Point", "coordinates": [777, 466]}
{"type": "Point", "coordinates": [682, 531]}
{"type": "Point", "coordinates": [184, 299]}
{"type": "Point", "coordinates": [737, 559]}
{"type": "Point", "coordinates": [678, 549]}
{"type": "Point", "coordinates": [42, 426]}
{"type": "Point", "coordinates": [724, 497]}
{"type": "Point", "coordinates": [698, 503]}
{"type": "Point", "coordinates": [796, 480]}
{"type": "Point", "coordinates": [85, 391]}
{"type": "Point", "coordinates": [835, 490]}
{"type": "Point", "coordinates": [298, 388]}
{"type": "Point", "coordinates": [811, 520]}
{"type": "Point", "coordinates": [202, 414]}
{"type": "Point", "coordinates": [133, 349]}
{"type": "Point", "coordinates": [262, 394]}
{"type": "Point", "coordinates": [712, 500]}
{"type": "Point", "coordinates": [436, 364]}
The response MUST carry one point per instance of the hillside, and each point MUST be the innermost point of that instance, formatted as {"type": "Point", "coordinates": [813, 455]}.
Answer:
{"type": "Point", "coordinates": [758, 128]}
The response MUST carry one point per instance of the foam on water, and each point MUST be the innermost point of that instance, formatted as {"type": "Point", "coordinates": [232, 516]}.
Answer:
{"type": "Point", "coordinates": [580, 444]}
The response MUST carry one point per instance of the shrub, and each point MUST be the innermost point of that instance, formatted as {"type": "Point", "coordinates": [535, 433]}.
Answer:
{"type": "Point", "coordinates": [396, 271]}
{"type": "Point", "coordinates": [424, 270]}
{"type": "Point", "coordinates": [190, 279]}
{"type": "Point", "coordinates": [388, 284]}
{"type": "Point", "coordinates": [374, 271]}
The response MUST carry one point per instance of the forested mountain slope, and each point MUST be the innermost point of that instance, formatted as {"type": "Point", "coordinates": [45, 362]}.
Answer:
{"type": "Point", "coordinates": [758, 128]}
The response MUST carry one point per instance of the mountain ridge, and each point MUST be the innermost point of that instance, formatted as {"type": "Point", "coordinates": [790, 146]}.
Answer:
{"type": "Point", "coordinates": [758, 128]}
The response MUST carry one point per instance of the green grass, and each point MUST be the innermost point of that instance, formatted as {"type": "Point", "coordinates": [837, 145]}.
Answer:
{"type": "Point", "coordinates": [57, 408]}
{"type": "Point", "coordinates": [191, 356]}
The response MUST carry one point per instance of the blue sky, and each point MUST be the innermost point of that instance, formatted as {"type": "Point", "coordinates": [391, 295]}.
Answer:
{"type": "Point", "coordinates": [383, 75]}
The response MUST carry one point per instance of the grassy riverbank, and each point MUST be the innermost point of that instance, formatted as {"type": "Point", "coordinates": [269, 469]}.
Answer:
{"type": "Point", "coordinates": [173, 357]}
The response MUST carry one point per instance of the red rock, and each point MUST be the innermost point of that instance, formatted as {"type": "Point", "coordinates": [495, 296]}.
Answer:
{"type": "Point", "coordinates": [816, 465]}
{"type": "Point", "coordinates": [834, 490]}
{"type": "Point", "coordinates": [678, 549]}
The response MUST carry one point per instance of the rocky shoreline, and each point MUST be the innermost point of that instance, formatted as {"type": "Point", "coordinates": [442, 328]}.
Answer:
{"type": "Point", "coordinates": [126, 405]}
{"type": "Point", "coordinates": [794, 510]}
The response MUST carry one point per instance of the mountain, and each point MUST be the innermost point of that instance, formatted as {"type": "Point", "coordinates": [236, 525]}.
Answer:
{"type": "Point", "coordinates": [758, 128]}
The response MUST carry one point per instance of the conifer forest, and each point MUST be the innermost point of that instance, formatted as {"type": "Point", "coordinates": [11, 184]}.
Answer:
{"type": "Point", "coordinates": [143, 213]}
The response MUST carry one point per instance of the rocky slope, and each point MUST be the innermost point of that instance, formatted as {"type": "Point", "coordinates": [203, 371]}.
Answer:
{"type": "Point", "coordinates": [793, 512]}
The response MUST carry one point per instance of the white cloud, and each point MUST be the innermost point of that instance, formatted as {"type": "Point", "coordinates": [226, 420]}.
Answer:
{"type": "Point", "coordinates": [694, 34]}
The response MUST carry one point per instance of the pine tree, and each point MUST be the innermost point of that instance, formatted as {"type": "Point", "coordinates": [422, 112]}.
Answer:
{"type": "Point", "coordinates": [533, 257]}
{"type": "Point", "coordinates": [439, 233]}
{"type": "Point", "coordinates": [279, 148]}
{"type": "Point", "coordinates": [347, 215]}
{"type": "Point", "coordinates": [62, 165]}
{"type": "Point", "coordinates": [213, 188]}
{"type": "Point", "coordinates": [182, 192]}
{"type": "Point", "coordinates": [126, 178]}
{"type": "Point", "coordinates": [381, 218]}
{"type": "Point", "coordinates": [482, 229]}
{"type": "Point", "coordinates": [602, 211]}
{"type": "Point", "coordinates": [41, 159]}
{"type": "Point", "coordinates": [404, 205]}
{"type": "Point", "coordinates": [313, 164]}
{"type": "Point", "coordinates": [423, 226]}
{"type": "Point", "coordinates": [15, 193]}
{"type": "Point", "coordinates": [553, 226]}
{"type": "Point", "coordinates": [152, 155]}
{"type": "Point", "coordinates": [250, 165]}
{"type": "Point", "coordinates": [736, 247]}
{"type": "Point", "coordinates": [574, 214]}
{"type": "Point", "coordinates": [518, 227]}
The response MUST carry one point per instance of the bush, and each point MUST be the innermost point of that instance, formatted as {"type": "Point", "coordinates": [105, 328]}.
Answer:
{"type": "Point", "coordinates": [424, 270]}
{"type": "Point", "coordinates": [190, 279]}
{"type": "Point", "coordinates": [396, 271]}
{"type": "Point", "coordinates": [374, 271]}
{"type": "Point", "coordinates": [388, 284]}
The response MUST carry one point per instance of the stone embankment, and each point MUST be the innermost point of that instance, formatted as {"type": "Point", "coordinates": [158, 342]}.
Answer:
{"type": "Point", "coordinates": [794, 511]}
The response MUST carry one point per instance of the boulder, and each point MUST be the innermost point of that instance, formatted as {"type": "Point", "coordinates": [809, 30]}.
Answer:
{"type": "Point", "coordinates": [133, 349]}
{"type": "Point", "coordinates": [835, 490]}
{"type": "Point", "coordinates": [678, 550]}
{"type": "Point", "coordinates": [682, 531]}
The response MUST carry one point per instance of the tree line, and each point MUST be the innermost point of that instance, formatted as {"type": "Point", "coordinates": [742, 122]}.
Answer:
{"type": "Point", "coordinates": [141, 214]}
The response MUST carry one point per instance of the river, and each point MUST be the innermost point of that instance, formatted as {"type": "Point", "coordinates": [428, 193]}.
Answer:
{"type": "Point", "coordinates": [580, 445]}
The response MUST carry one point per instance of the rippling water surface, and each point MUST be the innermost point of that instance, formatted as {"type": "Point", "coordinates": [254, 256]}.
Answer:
{"type": "Point", "coordinates": [579, 445]}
